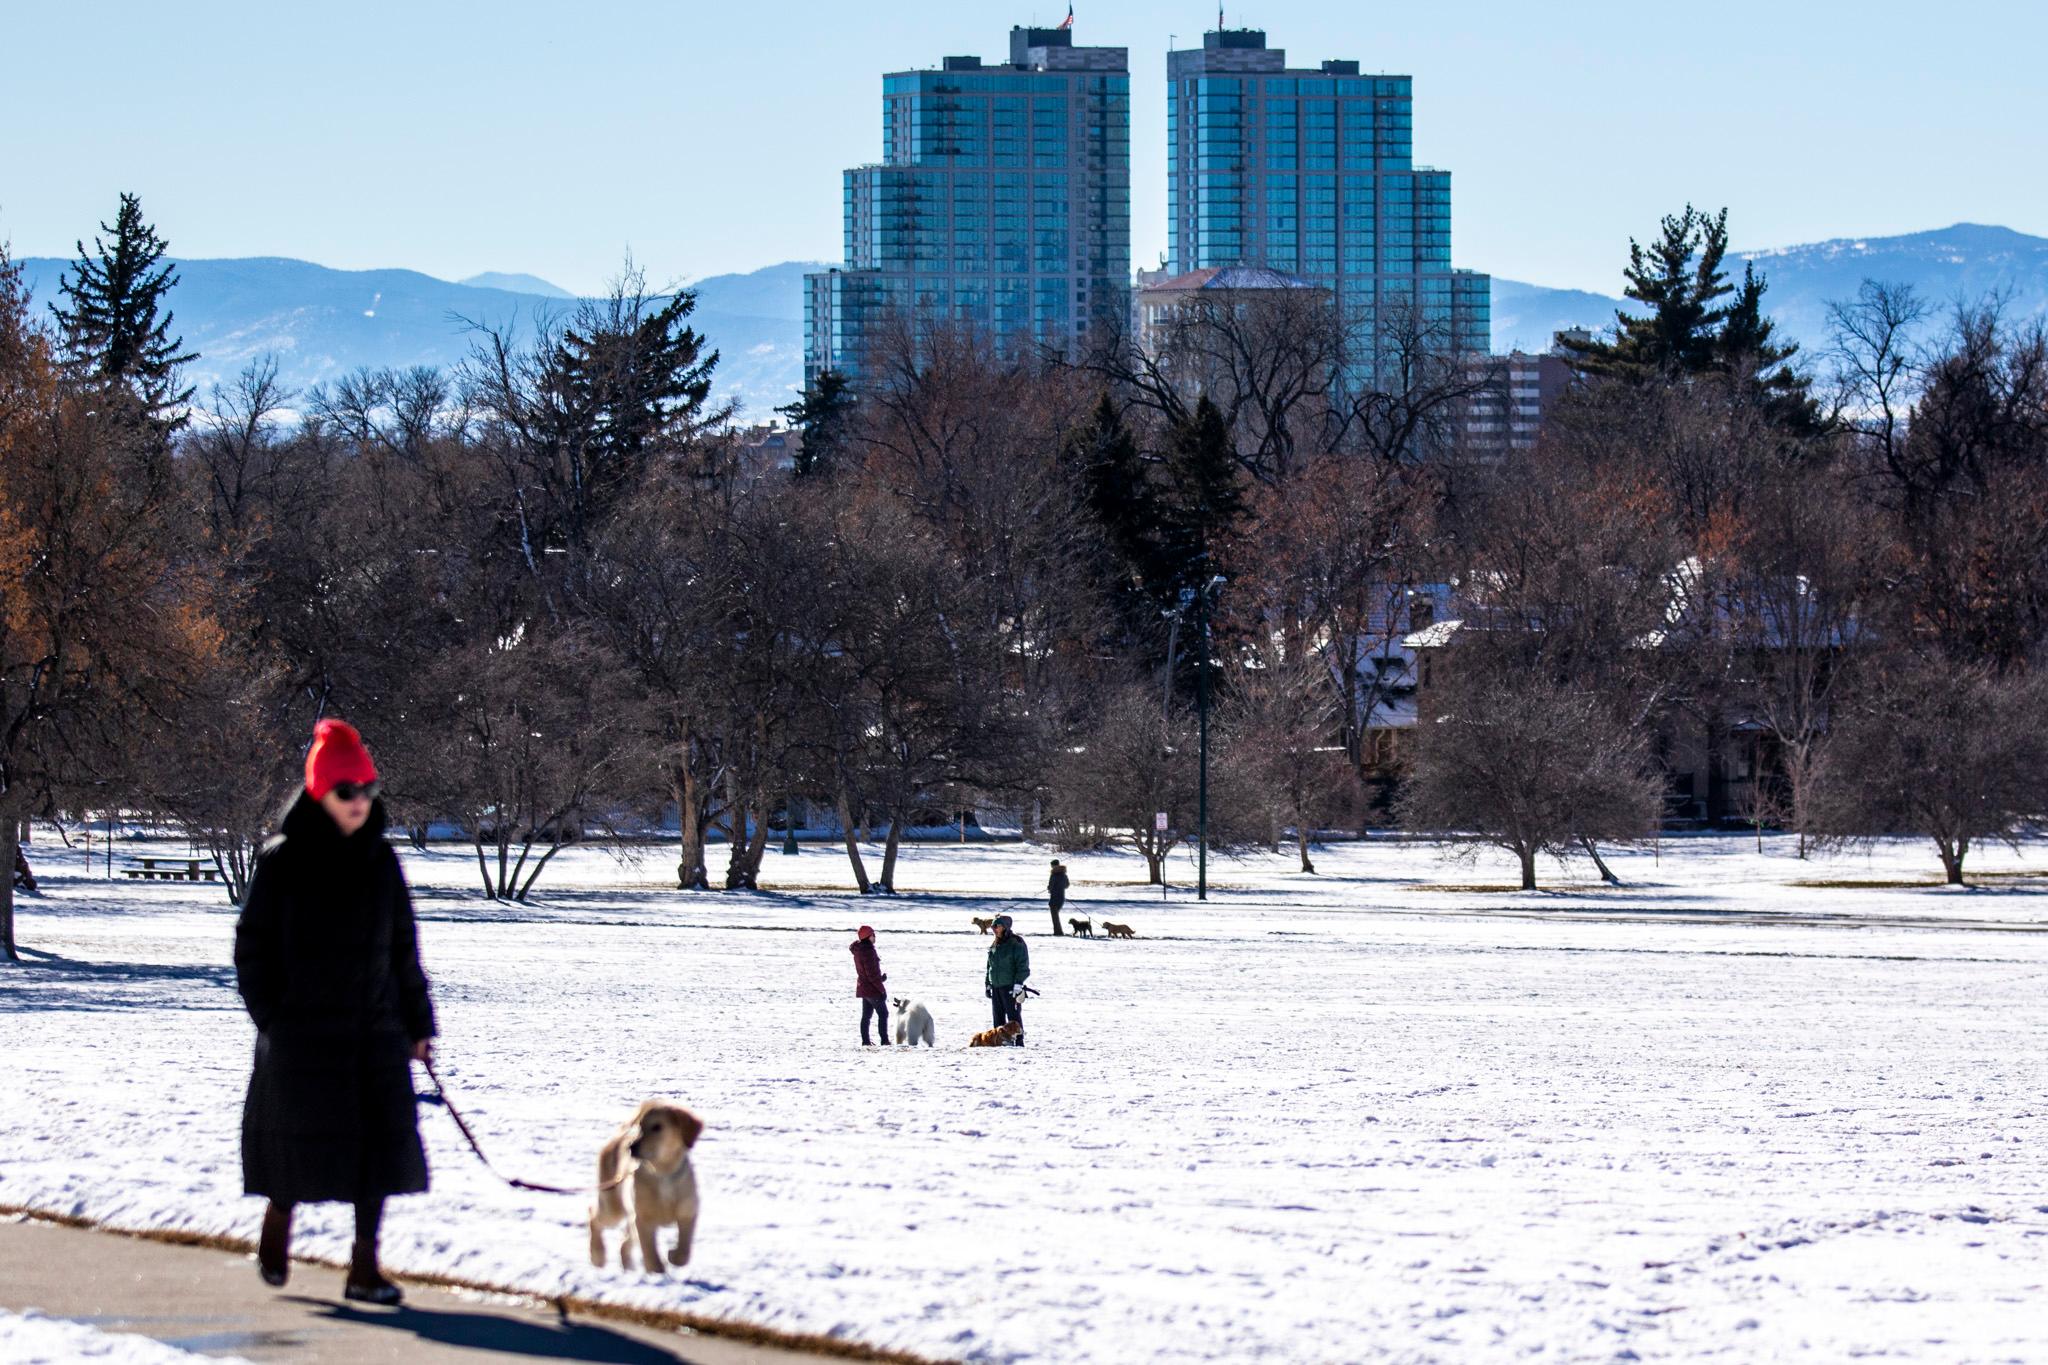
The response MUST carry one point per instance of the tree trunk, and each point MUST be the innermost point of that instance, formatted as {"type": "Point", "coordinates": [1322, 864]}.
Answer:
{"type": "Point", "coordinates": [736, 833]}
{"type": "Point", "coordinates": [534, 876]}
{"type": "Point", "coordinates": [1528, 856]}
{"type": "Point", "coordinates": [483, 869]}
{"type": "Point", "coordinates": [511, 887]}
{"type": "Point", "coordinates": [1301, 841]}
{"type": "Point", "coordinates": [1155, 861]}
{"type": "Point", "coordinates": [888, 882]}
{"type": "Point", "coordinates": [845, 811]}
{"type": "Point", "coordinates": [690, 871]}
{"type": "Point", "coordinates": [757, 846]}
{"type": "Point", "coordinates": [1606, 874]}
{"type": "Point", "coordinates": [1952, 855]}
{"type": "Point", "coordinates": [8, 848]}
{"type": "Point", "coordinates": [1717, 772]}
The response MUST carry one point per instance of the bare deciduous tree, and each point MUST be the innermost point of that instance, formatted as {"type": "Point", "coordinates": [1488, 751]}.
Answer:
{"type": "Point", "coordinates": [1529, 765]}
{"type": "Point", "coordinates": [1950, 751]}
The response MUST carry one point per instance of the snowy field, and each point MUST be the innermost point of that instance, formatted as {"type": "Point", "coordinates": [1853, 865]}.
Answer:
{"type": "Point", "coordinates": [1387, 1113]}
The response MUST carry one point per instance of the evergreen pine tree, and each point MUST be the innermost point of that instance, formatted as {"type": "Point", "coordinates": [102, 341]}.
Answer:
{"type": "Point", "coordinates": [1680, 281]}
{"type": "Point", "coordinates": [822, 415]}
{"type": "Point", "coordinates": [637, 374]}
{"type": "Point", "coordinates": [115, 326]}
{"type": "Point", "coordinates": [1118, 487]}
{"type": "Point", "coordinates": [1746, 351]}
{"type": "Point", "coordinates": [1204, 501]}
{"type": "Point", "coordinates": [1690, 326]}
{"type": "Point", "coordinates": [627, 382]}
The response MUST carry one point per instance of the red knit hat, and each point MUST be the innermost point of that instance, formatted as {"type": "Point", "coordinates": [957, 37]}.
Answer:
{"type": "Point", "coordinates": [337, 755]}
{"type": "Point", "coordinates": [864, 932]}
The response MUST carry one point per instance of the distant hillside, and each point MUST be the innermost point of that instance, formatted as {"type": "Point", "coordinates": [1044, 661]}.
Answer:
{"type": "Point", "coordinates": [775, 291]}
{"type": "Point", "coordinates": [1527, 316]}
{"type": "Point", "coordinates": [517, 284]}
{"type": "Point", "coordinates": [1966, 261]}
{"type": "Point", "coordinates": [322, 323]}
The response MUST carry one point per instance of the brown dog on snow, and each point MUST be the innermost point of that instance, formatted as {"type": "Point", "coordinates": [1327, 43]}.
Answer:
{"type": "Point", "coordinates": [982, 924]}
{"type": "Point", "coordinates": [1117, 930]}
{"type": "Point", "coordinates": [653, 1150]}
{"type": "Point", "coordinates": [998, 1036]}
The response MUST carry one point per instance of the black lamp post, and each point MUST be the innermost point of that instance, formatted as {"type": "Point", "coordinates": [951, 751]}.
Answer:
{"type": "Point", "coordinates": [1202, 606]}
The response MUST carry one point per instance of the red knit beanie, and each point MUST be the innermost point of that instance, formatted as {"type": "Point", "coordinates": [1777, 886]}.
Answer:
{"type": "Point", "coordinates": [337, 755]}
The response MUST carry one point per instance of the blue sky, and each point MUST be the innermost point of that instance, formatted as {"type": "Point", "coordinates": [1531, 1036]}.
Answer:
{"type": "Point", "coordinates": [703, 138]}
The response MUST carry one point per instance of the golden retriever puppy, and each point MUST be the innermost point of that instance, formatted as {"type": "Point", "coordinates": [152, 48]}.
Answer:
{"type": "Point", "coordinates": [999, 1036]}
{"type": "Point", "coordinates": [1117, 930]}
{"type": "Point", "coordinates": [982, 924]}
{"type": "Point", "coordinates": [653, 1149]}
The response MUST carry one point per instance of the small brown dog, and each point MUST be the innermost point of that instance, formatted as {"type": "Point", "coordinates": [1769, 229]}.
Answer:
{"type": "Point", "coordinates": [982, 924]}
{"type": "Point", "coordinates": [999, 1036]}
{"type": "Point", "coordinates": [653, 1148]}
{"type": "Point", "coordinates": [1117, 930]}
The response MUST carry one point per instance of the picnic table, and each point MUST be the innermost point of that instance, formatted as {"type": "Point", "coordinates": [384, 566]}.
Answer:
{"type": "Point", "coordinates": [150, 869]}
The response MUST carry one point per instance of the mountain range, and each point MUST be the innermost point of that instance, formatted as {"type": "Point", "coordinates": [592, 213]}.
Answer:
{"type": "Point", "coordinates": [1966, 262]}
{"type": "Point", "coordinates": [322, 323]}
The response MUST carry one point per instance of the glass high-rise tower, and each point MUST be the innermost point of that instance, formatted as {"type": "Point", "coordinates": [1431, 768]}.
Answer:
{"type": "Point", "coordinates": [1311, 171]}
{"type": "Point", "coordinates": [1003, 201]}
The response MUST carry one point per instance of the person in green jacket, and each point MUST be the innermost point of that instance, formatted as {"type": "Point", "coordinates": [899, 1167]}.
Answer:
{"type": "Point", "coordinates": [1009, 966]}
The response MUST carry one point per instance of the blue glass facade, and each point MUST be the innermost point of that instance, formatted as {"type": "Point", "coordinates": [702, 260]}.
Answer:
{"type": "Point", "coordinates": [1312, 172]}
{"type": "Point", "coordinates": [1002, 201]}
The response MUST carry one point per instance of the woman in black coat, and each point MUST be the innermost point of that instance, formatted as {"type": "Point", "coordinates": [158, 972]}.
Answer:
{"type": "Point", "coordinates": [328, 964]}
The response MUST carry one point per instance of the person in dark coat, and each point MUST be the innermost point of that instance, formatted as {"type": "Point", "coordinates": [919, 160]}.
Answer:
{"type": "Point", "coordinates": [1056, 892]}
{"type": "Point", "coordinates": [327, 961]}
{"type": "Point", "coordinates": [867, 984]}
{"type": "Point", "coordinates": [1009, 966]}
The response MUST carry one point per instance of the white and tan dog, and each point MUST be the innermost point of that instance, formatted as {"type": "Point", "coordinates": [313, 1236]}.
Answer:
{"type": "Point", "coordinates": [913, 1023]}
{"type": "Point", "coordinates": [652, 1149]}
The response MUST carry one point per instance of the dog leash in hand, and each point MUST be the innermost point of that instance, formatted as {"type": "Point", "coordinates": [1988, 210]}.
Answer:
{"type": "Point", "coordinates": [439, 1096]}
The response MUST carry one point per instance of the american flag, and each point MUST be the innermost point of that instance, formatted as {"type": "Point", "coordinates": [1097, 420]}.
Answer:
{"type": "Point", "coordinates": [1068, 22]}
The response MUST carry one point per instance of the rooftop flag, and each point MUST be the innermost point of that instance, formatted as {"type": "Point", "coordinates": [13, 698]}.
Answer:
{"type": "Point", "coordinates": [1068, 22]}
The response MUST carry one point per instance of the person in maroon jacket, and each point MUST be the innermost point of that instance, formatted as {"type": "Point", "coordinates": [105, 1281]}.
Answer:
{"type": "Point", "coordinates": [867, 984]}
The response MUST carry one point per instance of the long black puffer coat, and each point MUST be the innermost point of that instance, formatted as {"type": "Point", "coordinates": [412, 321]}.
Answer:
{"type": "Point", "coordinates": [327, 961]}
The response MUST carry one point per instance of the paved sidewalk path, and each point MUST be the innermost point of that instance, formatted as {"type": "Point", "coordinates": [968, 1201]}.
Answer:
{"type": "Point", "coordinates": [212, 1303]}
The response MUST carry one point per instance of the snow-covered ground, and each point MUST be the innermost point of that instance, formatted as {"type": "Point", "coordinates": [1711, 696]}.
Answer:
{"type": "Point", "coordinates": [31, 1339]}
{"type": "Point", "coordinates": [1380, 1114]}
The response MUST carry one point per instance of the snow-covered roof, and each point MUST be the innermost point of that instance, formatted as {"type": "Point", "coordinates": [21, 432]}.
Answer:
{"type": "Point", "coordinates": [1432, 636]}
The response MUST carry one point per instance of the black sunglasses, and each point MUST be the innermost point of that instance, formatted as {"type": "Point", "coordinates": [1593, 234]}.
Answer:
{"type": "Point", "coordinates": [351, 791]}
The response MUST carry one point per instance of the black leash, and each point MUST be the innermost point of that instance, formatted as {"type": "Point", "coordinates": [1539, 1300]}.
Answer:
{"type": "Point", "coordinates": [439, 1095]}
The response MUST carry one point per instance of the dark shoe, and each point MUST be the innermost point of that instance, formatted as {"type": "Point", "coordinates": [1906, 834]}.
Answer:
{"type": "Point", "coordinates": [274, 1246]}
{"type": "Point", "coordinates": [366, 1283]}
{"type": "Point", "coordinates": [382, 1292]}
